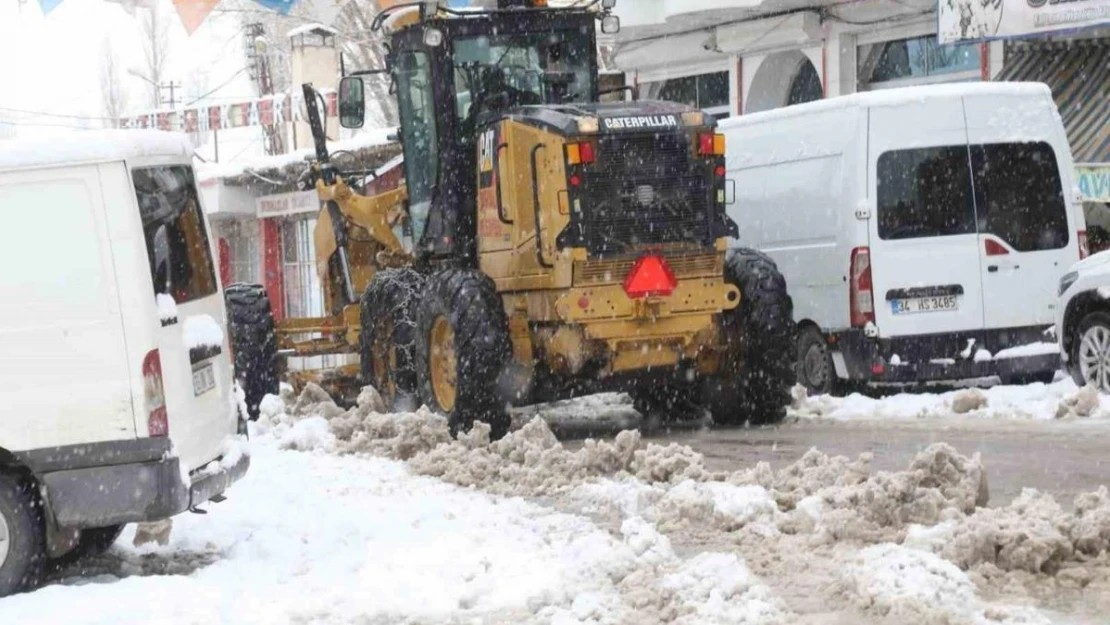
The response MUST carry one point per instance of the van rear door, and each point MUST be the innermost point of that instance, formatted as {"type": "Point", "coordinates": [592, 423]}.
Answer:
{"type": "Point", "coordinates": [924, 246]}
{"type": "Point", "coordinates": [190, 340]}
{"type": "Point", "coordinates": [1026, 241]}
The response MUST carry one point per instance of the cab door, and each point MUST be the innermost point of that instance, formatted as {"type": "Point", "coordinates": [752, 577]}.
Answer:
{"type": "Point", "coordinates": [924, 246]}
{"type": "Point", "coordinates": [419, 137]}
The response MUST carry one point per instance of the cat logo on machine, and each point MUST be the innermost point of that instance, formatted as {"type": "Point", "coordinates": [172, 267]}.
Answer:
{"type": "Point", "coordinates": [486, 148]}
{"type": "Point", "coordinates": [643, 121]}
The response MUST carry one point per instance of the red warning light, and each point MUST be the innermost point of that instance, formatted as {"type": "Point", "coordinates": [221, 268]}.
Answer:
{"type": "Point", "coordinates": [651, 275]}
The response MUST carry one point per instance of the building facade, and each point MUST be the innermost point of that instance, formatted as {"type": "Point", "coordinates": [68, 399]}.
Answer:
{"type": "Point", "coordinates": [734, 57]}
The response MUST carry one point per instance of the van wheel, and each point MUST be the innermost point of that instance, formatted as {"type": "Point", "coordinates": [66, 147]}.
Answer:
{"type": "Point", "coordinates": [757, 369]}
{"type": "Point", "coordinates": [462, 347]}
{"type": "Point", "coordinates": [22, 544]}
{"type": "Point", "coordinates": [815, 366]}
{"type": "Point", "coordinates": [388, 314]}
{"type": "Point", "coordinates": [1091, 352]}
{"type": "Point", "coordinates": [251, 325]}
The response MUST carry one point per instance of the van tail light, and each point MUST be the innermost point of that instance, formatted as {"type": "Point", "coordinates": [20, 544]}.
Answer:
{"type": "Point", "coordinates": [994, 248]}
{"type": "Point", "coordinates": [154, 395]}
{"type": "Point", "coordinates": [862, 300]}
{"type": "Point", "coordinates": [1084, 249]}
{"type": "Point", "coordinates": [651, 275]}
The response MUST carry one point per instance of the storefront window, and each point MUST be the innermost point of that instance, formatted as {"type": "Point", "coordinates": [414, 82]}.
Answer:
{"type": "Point", "coordinates": [920, 59]}
{"type": "Point", "coordinates": [709, 92]}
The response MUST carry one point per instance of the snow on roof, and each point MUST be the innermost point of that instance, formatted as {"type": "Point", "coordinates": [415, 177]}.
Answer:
{"type": "Point", "coordinates": [92, 146]}
{"type": "Point", "coordinates": [308, 28]}
{"type": "Point", "coordinates": [893, 97]}
{"type": "Point", "coordinates": [370, 138]}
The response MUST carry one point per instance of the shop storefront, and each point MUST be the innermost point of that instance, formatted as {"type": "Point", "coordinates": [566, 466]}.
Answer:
{"type": "Point", "coordinates": [732, 58]}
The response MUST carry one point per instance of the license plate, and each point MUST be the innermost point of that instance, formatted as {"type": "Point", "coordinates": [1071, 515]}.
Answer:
{"type": "Point", "coordinates": [925, 304]}
{"type": "Point", "coordinates": [204, 380]}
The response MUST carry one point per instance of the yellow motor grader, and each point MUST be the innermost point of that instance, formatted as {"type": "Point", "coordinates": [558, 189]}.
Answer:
{"type": "Point", "coordinates": [559, 245]}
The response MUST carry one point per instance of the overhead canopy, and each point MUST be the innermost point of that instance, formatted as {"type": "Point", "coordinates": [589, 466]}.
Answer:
{"type": "Point", "coordinates": [1078, 72]}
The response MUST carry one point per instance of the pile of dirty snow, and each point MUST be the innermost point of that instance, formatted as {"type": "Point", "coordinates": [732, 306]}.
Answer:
{"type": "Point", "coordinates": [924, 531]}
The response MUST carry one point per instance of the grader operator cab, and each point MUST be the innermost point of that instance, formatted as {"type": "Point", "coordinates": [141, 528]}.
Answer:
{"type": "Point", "coordinates": [560, 246]}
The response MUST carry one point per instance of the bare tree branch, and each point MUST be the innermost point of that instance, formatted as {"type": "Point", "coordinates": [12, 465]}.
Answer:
{"type": "Point", "coordinates": [154, 26]}
{"type": "Point", "coordinates": [113, 96]}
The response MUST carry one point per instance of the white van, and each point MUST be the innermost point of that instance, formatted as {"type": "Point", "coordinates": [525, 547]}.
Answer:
{"type": "Point", "coordinates": [921, 231]}
{"type": "Point", "coordinates": [116, 393]}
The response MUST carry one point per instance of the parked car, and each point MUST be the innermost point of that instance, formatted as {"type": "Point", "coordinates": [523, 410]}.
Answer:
{"type": "Point", "coordinates": [1083, 321]}
{"type": "Point", "coordinates": [921, 231]}
{"type": "Point", "coordinates": [116, 393]}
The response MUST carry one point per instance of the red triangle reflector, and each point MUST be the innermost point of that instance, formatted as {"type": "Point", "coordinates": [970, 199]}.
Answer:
{"type": "Point", "coordinates": [651, 275]}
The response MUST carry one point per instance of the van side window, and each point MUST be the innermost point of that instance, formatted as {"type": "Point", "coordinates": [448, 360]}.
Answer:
{"type": "Point", "coordinates": [173, 225]}
{"type": "Point", "coordinates": [1019, 196]}
{"type": "Point", "coordinates": [925, 192]}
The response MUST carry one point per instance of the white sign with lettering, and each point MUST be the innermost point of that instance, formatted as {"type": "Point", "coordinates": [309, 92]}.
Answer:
{"type": "Point", "coordinates": [283, 204]}
{"type": "Point", "coordinates": [977, 20]}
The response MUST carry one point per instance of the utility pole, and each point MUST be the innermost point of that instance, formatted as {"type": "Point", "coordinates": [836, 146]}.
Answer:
{"type": "Point", "coordinates": [258, 63]}
{"type": "Point", "coordinates": [173, 87]}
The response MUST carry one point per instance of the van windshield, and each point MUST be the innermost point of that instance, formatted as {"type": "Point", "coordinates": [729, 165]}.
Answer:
{"type": "Point", "coordinates": [176, 240]}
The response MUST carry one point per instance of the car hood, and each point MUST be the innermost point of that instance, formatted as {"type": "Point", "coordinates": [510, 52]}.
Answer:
{"type": "Point", "coordinates": [1092, 262]}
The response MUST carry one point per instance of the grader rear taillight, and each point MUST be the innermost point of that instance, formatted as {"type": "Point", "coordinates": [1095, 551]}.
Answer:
{"type": "Point", "coordinates": [711, 144]}
{"type": "Point", "coordinates": [651, 275]}
{"type": "Point", "coordinates": [581, 153]}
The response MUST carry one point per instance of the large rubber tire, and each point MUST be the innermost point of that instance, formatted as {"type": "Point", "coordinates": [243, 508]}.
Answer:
{"type": "Point", "coordinates": [251, 325]}
{"type": "Point", "coordinates": [757, 368]}
{"type": "Point", "coordinates": [467, 302]}
{"type": "Point", "coordinates": [668, 403]}
{"type": "Point", "coordinates": [22, 543]}
{"type": "Point", "coordinates": [387, 355]}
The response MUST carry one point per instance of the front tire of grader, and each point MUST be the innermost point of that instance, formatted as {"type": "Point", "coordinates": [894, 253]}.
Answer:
{"type": "Point", "coordinates": [388, 314]}
{"type": "Point", "coordinates": [462, 347]}
{"type": "Point", "coordinates": [251, 325]}
{"type": "Point", "coordinates": [758, 364]}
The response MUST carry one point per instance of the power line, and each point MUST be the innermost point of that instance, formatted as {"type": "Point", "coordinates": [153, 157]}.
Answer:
{"type": "Point", "coordinates": [46, 114]}
{"type": "Point", "coordinates": [222, 85]}
{"type": "Point", "coordinates": [45, 125]}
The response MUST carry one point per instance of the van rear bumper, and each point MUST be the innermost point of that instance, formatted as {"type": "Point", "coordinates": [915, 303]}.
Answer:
{"type": "Point", "coordinates": [122, 482]}
{"type": "Point", "coordinates": [936, 357]}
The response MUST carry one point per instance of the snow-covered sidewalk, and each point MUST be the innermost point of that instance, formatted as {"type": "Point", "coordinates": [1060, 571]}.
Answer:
{"type": "Point", "coordinates": [1059, 400]}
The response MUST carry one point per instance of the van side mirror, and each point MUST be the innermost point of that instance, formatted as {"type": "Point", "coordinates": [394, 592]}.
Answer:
{"type": "Point", "coordinates": [352, 102]}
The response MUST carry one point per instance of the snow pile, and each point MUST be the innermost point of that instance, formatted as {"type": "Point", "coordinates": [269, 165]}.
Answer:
{"type": "Point", "coordinates": [167, 308]}
{"type": "Point", "coordinates": [718, 588]}
{"type": "Point", "coordinates": [909, 585]}
{"type": "Point", "coordinates": [1032, 349]}
{"type": "Point", "coordinates": [1084, 402]}
{"type": "Point", "coordinates": [1031, 401]}
{"type": "Point", "coordinates": [719, 505]}
{"type": "Point", "coordinates": [939, 484]}
{"type": "Point", "coordinates": [202, 331]}
{"type": "Point", "coordinates": [1033, 534]}
{"type": "Point", "coordinates": [313, 421]}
